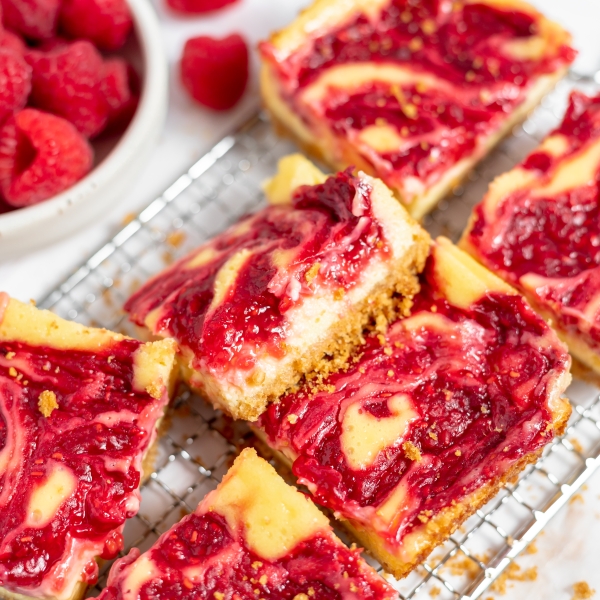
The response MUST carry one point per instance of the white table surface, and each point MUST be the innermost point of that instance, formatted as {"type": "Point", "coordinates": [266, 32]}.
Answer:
{"type": "Point", "coordinates": [569, 550]}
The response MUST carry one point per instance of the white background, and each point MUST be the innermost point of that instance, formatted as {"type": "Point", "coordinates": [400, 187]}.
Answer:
{"type": "Point", "coordinates": [569, 550]}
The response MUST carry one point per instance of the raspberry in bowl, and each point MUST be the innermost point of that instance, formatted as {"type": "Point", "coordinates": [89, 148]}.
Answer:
{"type": "Point", "coordinates": [66, 157]}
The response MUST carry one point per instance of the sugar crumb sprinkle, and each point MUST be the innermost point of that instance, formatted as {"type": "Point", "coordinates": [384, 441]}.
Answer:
{"type": "Point", "coordinates": [411, 451]}
{"type": "Point", "coordinates": [47, 403]}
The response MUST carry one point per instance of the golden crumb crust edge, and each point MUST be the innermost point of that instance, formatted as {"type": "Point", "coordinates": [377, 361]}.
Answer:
{"type": "Point", "coordinates": [78, 594]}
{"type": "Point", "coordinates": [445, 523]}
{"type": "Point", "coordinates": [341, 341]}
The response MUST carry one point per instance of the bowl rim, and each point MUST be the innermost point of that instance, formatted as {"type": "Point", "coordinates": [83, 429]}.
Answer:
{"type": "Point", "coordinates": [155, 79]}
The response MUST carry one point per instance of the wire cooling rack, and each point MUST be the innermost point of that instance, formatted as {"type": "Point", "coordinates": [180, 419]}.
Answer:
{"type": "Point", "coordinates": [200, 443]}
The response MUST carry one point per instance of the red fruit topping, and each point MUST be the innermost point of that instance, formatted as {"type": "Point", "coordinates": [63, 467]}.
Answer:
{"type": "Point", "coordinates": [113, 545]}
{"type": "Point", "coordinates": [106, 23]}
{"type": "Point", "coordinates": [215, 72]}
{"type": "Point", "coordinates": [15, 82]}
{"type": "Point", "coordinates": [67, 81]}
{"type": "Point", "coordinates": [11, 41]}
{"type": "Point", "coordinates": [198, 6]}
{"type": "Point", "coordinates": [41, 155]}
{"type": "Point", "coordinates": [121, 88]}
{"type": "Point", "coordinates": [34, 19]}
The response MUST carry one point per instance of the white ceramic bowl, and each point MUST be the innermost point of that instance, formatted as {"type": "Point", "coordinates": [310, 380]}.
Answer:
{"type": "Point", "coordinates": [28, 228]}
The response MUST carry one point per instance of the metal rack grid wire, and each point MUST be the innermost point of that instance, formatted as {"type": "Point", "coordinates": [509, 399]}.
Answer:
{"type": "Point", "coordinates": [200, 443]}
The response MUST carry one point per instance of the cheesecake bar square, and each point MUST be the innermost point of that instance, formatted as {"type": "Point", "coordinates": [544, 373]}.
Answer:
{"type": "Point", "coordinates": [538, 228]}
{"type": "Point", "coordinates": [288, 290]}
{"type": "Point", "coordinates": [430, 419]}
{"type": "Point", "coordinates": [78, 411]}
{"type": "Point", "coordinates": [253, 537]}
{"type": "Point", "coordinates": [415, 93]}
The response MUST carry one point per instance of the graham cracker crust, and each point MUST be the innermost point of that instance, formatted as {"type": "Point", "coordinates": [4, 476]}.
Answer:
{"type": "Point", "coordinates": [78, 593]}
{"type": "Point", "coordinates": [584, 372]}
{"type": "Point", "coordinates": [389, 300]}
{"type": "Point", "coordinates": [151, 454]}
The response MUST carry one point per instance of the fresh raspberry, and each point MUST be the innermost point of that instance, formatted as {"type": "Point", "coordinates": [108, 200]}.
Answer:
{"type": "Point", "coordinates": [106, 23]}
{"type": "Point", "coordinates": [11, 41]}
{"type": "Point", "coordinates": [121, 88]}
{"type": "Point", "coordinates": [34, 19]}
{"type": "Point", "coordinates": [15, 83]}
{"type": "Point", "coordinates": [198, 6]}
{"type": "Point", "coordinates": [215, 72]}
{"type": "Point", "coordinates": [67, 82]}
{"type": "Point", "coordinates": [41, 155]}
{"type": "Point", "coordinates": [55, 43]}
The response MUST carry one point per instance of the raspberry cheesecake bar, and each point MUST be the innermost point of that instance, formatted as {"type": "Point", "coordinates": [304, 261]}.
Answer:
{"type": "Point", "coordinates": [253, 537]}
{"type": "Point", "coordinates": [415, 93]}
{"type": "Point", "coordinates": [78, 411]}
{"type": "Point", "coordinates": [431, 419]}
{"type": "Point", "coordinates": [283, 291]}
{"type": "Point", "coordinates": [538, 228]}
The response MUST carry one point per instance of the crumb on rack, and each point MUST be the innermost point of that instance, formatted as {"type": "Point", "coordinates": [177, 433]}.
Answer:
{"type": "Point", "coordinates": [531, 549]}
{"type": "Point", "coordinates": [582, 591]}
{"type": "Point", "coordinates": [176, 238]}
{"type": "Point", "coordinates": [47, 403]}
{"type": "Point", "coordinates": [576, 445]}
{"type": "Point", "coordinates": [460, 565]}
{"type": "Point", "coordinates": [513, 573]}
{"type": "Point", "coordinates": [127, 219]}
{"type": "Point", "coordinates": [577, 498]}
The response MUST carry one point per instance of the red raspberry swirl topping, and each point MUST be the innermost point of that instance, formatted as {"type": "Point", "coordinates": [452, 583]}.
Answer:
{"type": "Point", "coordinates": [204, 543]}
{"type": "Point", "coordinates": [467, 389]}
{"type": "Point", "coordinates": [548, 245]}
{"type": "Point", "coordinates": [73, 430]}
{"type": "Point", "coordinates": [457, 81]}
{"type": "Point", "coordinates": [330, 224]}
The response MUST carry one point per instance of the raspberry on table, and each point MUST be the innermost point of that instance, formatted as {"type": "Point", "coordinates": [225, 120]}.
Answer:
{"type": "Point", "coordinates": [121, 88]}
{"type": "Point", "coordinates": [106, 23]}
{"type": "Point", "coordinates": [215, 72]}
{"type": "Point", "coordinates": [41, 155]}
{"type": "Point", "coordinates": [34, 19]}
{"type": "Point", "coordinates": [67, 82]}
{"type": "Point", "coordinates": [15, 82]}
{"type": "Point", "coordinates": [198, 6]}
